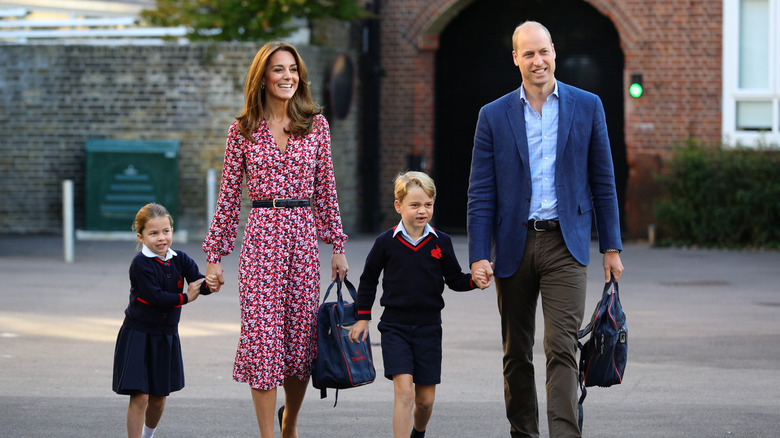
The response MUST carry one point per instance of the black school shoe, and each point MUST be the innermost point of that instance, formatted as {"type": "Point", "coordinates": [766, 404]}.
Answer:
{"type": "Point", "coordinates": [417, 434]}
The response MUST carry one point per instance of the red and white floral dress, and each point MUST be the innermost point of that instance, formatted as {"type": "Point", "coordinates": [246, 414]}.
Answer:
{"type": "Point", "coordinates": [279, 269]}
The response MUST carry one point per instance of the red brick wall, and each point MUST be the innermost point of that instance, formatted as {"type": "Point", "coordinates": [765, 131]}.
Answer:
{"type": "Point", "coordinates": [678, 50]}
{"type": "Point", "coordinates": [675, 44]}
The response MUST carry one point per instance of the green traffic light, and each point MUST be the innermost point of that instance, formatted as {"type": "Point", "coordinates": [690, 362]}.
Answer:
{"type": "Point", "coordinates": [635, 90]}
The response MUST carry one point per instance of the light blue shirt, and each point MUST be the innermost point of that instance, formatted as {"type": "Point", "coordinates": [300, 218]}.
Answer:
{"type": "Point", "coordinates": [542, 133]}
{"type": "Point", "coordinates": [401, 229]}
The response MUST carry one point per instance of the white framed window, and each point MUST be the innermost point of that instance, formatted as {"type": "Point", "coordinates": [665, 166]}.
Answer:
{"type": "Point", "coordinates": [751, 72]}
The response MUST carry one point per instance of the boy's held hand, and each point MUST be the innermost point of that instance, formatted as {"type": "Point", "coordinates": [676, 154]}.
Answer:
{"type": "Point", "coordinates": [480, 279]}
{"type": "Point", "coordinates": [359, 331]}
{"type": "Point", "coordinates": [482, 273]}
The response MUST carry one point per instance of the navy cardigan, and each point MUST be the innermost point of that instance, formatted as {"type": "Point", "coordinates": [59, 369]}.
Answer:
{"type": "Point", "coordinates": [156, 292]}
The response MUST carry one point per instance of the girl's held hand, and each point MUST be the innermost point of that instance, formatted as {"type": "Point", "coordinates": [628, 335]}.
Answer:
{"type": "Point", "coordinates": [215, 269]}
{"type": "Point", "coordinates": [193, 290]}
{"type": "Point", "coordinates": [213, 282]}
{"type": "Point", "coordinates": [359, 331]}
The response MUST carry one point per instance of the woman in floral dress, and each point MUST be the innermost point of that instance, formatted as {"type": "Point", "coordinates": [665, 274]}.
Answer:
{"type": "Point", "coordinates": [281, 143]}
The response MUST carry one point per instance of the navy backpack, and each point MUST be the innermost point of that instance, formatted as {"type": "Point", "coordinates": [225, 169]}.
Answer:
{"type": "Point", "coordinates": [340, 364]}
{"type": "Point", "coordinates": [603, 356]}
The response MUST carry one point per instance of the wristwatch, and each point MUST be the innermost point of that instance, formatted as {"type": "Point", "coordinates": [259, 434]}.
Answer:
{"type": "Point", "coordinates": [611, 250]}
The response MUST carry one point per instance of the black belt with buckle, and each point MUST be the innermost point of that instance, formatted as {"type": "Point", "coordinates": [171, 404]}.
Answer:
{"type": "Point", "coordinates": [281, 203]}
{"type": "Point", "coordinates": [547, 225]}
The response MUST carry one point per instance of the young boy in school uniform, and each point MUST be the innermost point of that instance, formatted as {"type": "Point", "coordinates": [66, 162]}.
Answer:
{"type": "Point", "coordinates": [417, 261]}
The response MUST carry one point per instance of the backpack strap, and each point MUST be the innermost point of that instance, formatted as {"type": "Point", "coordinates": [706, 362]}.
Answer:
{"type": "Point", "coordinates": [579, 403]}
{"type": "Point", "coordinates": [588, 328]}
{"type": "Point", "coordinates": [324, 394]}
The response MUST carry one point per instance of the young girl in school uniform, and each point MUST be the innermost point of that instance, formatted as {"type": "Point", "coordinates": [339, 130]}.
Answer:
{"type": "Point", "coordinates": [147, 358]}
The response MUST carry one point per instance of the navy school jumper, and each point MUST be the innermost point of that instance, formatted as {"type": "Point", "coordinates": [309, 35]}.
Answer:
{"type": "Point", "coordinates": [413, 279]}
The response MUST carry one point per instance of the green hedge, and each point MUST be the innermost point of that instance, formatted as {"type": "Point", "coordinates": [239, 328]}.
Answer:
{"type": "Point", "coordinates": [720, 197]}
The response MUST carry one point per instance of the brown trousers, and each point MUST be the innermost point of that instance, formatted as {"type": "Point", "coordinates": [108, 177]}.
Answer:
{"type": "Point", "coordinates": [549, 270]}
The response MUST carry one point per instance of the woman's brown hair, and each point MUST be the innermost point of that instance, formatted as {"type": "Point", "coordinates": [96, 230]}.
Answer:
{"type": "Point", "coordinates": [301, 108]}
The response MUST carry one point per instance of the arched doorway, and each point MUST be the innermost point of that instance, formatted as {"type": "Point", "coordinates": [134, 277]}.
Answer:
{"type": "Point", "coordinates": [474, 66]}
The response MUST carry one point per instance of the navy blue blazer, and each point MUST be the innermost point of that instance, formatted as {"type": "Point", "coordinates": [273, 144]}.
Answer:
{"type": "Point", "coordinates": [584, 180]}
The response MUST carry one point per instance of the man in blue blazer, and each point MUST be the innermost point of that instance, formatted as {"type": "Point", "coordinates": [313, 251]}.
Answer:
{"type": "Point", "coordinates": [541, 168]}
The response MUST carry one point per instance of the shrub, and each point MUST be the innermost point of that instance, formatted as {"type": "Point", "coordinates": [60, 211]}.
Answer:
{"type": "Point", "coordinates": [718, 196]}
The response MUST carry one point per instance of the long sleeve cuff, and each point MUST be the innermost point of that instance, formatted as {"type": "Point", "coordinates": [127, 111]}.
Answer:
{"type": "Point", "coordinates": [338, 247]}
{"type": "Point", "coordinates": [204, 289]}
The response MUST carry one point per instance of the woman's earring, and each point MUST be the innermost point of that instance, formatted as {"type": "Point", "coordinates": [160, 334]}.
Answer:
{"type": "Point", "coordinates": [262, 86]}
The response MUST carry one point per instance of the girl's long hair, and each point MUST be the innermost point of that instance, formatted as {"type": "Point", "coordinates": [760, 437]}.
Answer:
{"type": "Point", "coordinates": [301, 108]}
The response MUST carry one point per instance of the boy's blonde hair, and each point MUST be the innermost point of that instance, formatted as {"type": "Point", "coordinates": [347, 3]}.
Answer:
{"type": "Point", "coordinates": [408, 180]}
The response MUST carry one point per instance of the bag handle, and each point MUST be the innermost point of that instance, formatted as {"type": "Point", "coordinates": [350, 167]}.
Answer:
{"type": "Point", "coordinates": [337, 283]}
{"type": "Point", "coordinates": [612, 284]}
{"type": "Point", "coordinates": [339, 297]}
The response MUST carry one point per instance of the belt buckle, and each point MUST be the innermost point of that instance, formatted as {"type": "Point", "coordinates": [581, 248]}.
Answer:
{"type": "Point", "coordinates": [537, 229]}
{"type": "Point", "coordinates": [273, 203]}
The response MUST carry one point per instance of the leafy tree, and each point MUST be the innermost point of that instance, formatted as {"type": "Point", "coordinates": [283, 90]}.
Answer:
{"type": "Point", "coordinates": [246, 20]}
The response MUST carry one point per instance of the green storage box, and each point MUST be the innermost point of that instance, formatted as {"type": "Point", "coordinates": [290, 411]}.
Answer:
{"type": "Point", "coordinates": [124, 175]}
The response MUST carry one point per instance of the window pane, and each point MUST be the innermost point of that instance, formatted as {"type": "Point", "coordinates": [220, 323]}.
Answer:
{"type": "Point", "coordinates": [754, 116]}
{"type": "Point", "coordinates": [754, 44]}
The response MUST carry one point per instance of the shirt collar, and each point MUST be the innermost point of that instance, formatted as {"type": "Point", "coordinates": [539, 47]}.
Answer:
{"type": "Point", "coordinates": [401, 229]}
{"type": "Point", "coordinates": [522, 92]}
{"type": "Point", "coordinates": [148, 252]}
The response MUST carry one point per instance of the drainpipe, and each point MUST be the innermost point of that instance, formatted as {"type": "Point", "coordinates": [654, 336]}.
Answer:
{"type": "Point", "coordinates": [372, 73]}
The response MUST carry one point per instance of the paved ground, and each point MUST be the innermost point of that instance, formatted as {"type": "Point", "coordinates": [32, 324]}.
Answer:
{"type": "Point", "coordinates": [704, 351]}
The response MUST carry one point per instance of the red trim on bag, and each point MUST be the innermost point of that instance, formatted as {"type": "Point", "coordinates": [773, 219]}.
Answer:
{"type": "Point", "coordinates": [620, 378]}
{"type": "Point", "coordinates": [609, 310]}
{"type": "Point", "coordinates": [590, 359]}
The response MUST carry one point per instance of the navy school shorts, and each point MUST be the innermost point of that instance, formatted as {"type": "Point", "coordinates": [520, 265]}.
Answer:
{"type": "Point", "coordinates": [412, 349]}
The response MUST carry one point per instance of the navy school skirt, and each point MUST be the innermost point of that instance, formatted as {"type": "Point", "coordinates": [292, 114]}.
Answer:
{"type": "Point", "coordinates": [147, 363]}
